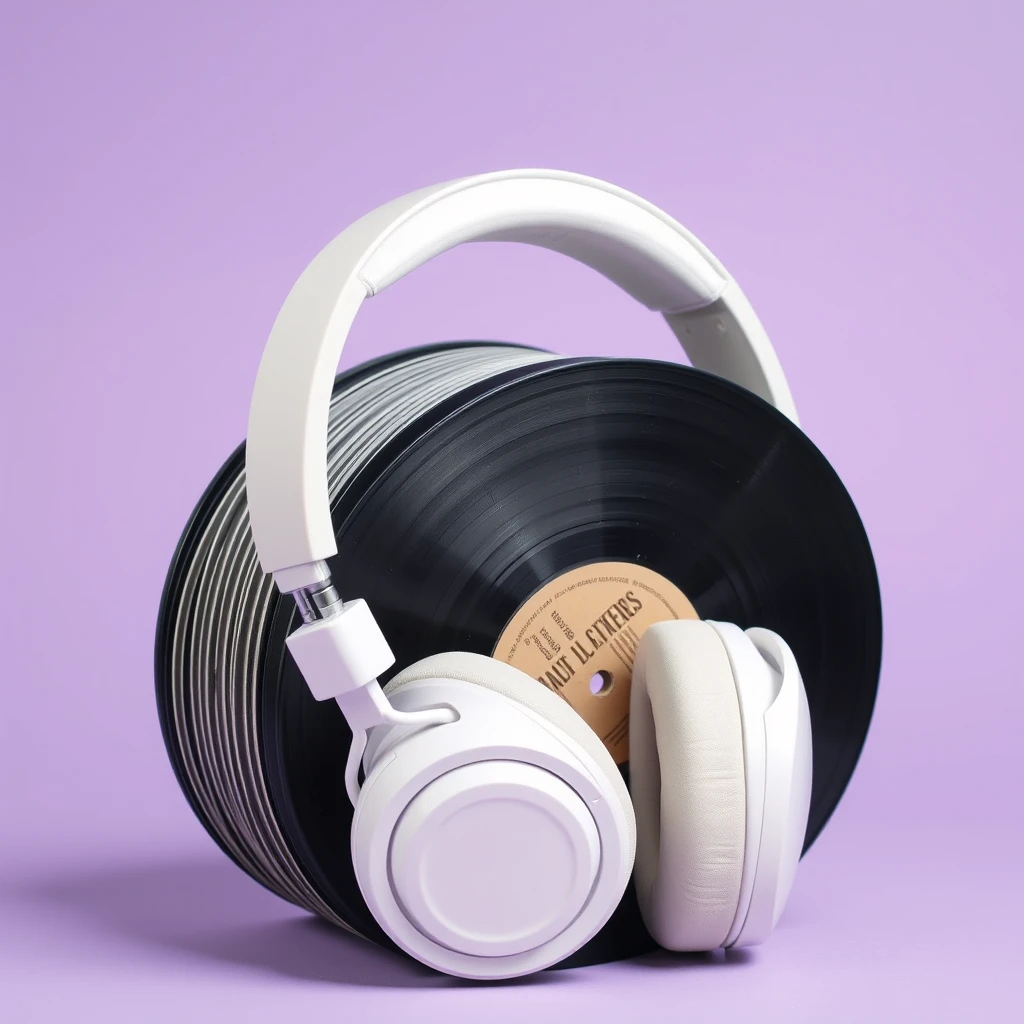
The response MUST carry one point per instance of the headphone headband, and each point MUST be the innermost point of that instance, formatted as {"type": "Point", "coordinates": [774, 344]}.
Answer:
{"type": "Point", "coordinates": [625, 238]}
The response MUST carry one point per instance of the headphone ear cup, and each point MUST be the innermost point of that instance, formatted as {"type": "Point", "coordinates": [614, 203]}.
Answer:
{"type": "Point", "coordinates": [497, 843]}
{"type": "Point", "coordinates": [688, 785]}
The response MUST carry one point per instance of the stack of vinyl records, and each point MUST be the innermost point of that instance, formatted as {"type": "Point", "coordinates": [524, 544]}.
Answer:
{"type": "Point", "coordinates": [464, 478]}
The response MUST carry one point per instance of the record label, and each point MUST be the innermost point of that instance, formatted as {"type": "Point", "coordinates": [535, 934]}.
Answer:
{"type": "Point", "coordinates": [578, 636]}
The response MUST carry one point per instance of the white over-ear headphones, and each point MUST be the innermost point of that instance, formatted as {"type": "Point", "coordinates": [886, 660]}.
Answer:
{"type": "Point", "coordinates": [493, 834]}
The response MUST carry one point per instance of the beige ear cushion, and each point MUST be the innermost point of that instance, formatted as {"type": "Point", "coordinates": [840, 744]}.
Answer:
{"type": "Point", "coordinates": [687, 779]}
{"type": "Point", "coordinates": [518, 686]}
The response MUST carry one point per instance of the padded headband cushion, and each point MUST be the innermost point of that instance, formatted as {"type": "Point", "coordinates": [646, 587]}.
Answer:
{"type": "Point", "coordinates": [518, 686]}
{"type": "Point", "coordinates": [687, 779]}
{"type": "Point", "coordinates": [624, 237]}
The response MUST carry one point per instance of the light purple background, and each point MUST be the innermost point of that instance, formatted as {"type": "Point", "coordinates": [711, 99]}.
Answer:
{"type": "Point", "coordinates": [169, 168]}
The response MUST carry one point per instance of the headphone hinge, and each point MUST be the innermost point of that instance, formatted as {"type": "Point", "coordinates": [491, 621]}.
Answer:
{"type": "Point", "coordinates": [318, 601]}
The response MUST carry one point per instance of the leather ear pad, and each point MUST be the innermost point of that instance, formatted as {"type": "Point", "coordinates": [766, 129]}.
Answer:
{"type": "Point", "coordinates": [518, 686]}
{"type": "Point", "coordinates": [687, 779]}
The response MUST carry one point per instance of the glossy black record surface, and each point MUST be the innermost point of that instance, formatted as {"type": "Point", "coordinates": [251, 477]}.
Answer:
{"type": "Point", "coordinates": [471, 509]}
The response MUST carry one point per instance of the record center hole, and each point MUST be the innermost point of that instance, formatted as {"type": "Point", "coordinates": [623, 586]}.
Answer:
{"type": "Point", "coordinates": [601, 683]}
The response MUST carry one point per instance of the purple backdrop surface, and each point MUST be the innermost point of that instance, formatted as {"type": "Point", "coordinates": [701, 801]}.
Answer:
{"type": "Point", "coordinates": [168, 170]}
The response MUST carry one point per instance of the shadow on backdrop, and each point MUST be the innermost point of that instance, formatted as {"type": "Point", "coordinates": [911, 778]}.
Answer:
{"type": "Point", "coordinates": [209, 910]}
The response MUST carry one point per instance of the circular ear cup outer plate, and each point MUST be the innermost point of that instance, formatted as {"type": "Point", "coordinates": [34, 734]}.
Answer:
{"type": "Point", "coordinates": [494, 858]}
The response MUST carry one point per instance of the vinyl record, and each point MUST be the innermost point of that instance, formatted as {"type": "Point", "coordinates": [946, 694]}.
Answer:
{"type": "Point", "coordinates": [460, 506]}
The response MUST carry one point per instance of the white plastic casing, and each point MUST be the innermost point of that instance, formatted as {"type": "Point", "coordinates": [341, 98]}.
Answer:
{"type": "Point", "coordinates": [340, 654]}
{"type": "Point", "coordinates": [494, 858]}
{"type": "Point", "coordinates": [777, 758]}
{"type": "Point", "coordinates": [490, 847]}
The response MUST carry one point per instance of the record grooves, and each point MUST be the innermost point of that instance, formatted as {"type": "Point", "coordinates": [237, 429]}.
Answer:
{"type": "Point", "coordinates": [463, 478]}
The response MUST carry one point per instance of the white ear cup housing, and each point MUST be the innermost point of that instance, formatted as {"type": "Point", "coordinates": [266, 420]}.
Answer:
{"type": "Point", "coordinates": [787, 788]}
{"type": "Point", "coordinates": [495, 845]}
{"type": "Point", "coordinates": [720, 763]}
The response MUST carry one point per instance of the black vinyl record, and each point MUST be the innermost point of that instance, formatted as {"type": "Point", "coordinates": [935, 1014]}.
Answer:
{"type": "Point", "coordinates": [501, 487]}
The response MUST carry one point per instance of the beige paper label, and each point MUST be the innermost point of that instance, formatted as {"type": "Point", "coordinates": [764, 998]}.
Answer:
{"type": "Point", "coordinates": [578, 635]}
